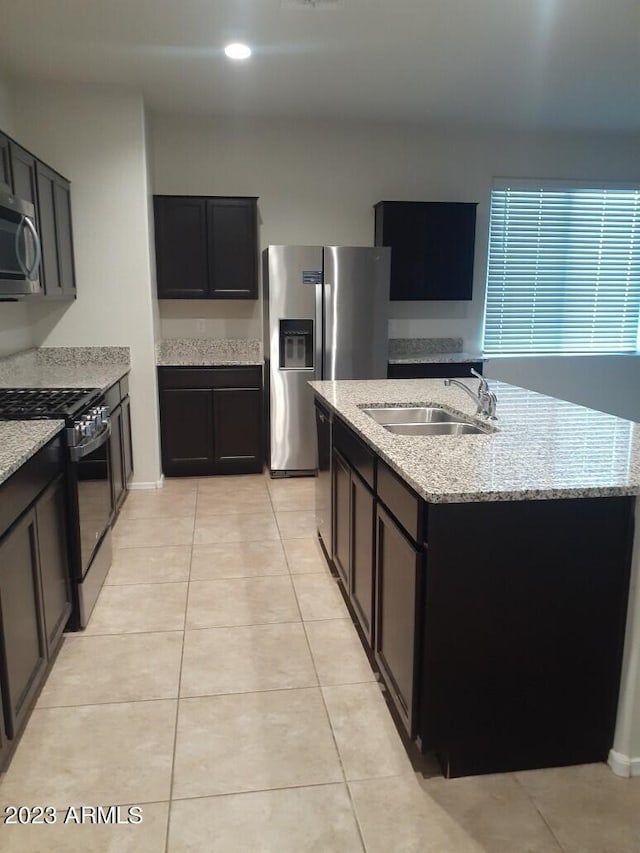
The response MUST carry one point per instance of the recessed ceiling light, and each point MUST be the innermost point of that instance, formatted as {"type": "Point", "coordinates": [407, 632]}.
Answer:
{"type": "Point", "coordinates": [237, 51]}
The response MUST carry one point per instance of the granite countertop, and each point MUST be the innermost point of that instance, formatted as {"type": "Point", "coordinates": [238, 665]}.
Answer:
{"type": "Point", "coordinates": [436, 358]}
{"type": "Point", "coordinates": [201, 352]}
{"type": "Point", "coordinates": [62, 367]}
{"type": "Point", "coordinates": [539, 448]}
{"type": "Point", "coordinates": [429, 351]}
{"type": "Point", "coordinates": [20, 440]}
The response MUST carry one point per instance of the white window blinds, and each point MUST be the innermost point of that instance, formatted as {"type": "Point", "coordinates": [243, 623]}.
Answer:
{"type": "Point", "coordinates": [563, 269]}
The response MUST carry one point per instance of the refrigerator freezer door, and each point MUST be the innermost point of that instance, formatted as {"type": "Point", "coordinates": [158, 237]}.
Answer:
{"type": "Point", "coordinates": [356, 312]}
{"type": "Point", "coordinates": [292, 276]}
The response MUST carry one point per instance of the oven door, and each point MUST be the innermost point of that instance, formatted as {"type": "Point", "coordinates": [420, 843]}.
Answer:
{"type": "Point", "coordinates": [20, 252]}
{"type": "Point", "coordinates": [92, 464]}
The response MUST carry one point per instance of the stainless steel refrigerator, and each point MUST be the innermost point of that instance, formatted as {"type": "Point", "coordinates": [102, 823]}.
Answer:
{"type": "Point", "coordinates": [326, 311]}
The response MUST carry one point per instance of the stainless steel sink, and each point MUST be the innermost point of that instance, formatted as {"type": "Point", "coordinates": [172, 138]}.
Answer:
{"type": "Point", "coordinates": [415, 415]}
{"type": "Point", "coordinates": [422, 420]}
{"type": "Point", "coordinates": [449, 428]}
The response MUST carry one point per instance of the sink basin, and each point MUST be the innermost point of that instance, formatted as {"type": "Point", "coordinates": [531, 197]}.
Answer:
{"type": "Point", "coordinates": [434, 428]}
{"type": "Point", "coordinates": [417, 415]}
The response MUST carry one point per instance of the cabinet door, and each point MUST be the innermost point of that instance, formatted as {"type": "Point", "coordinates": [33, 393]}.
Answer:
{"type": "Point", "coordinates": [23, 167]}
{"type": "Point", "coordinates": [398, 597]}
{"type": "Point", "coordinates": [127, 445]}
{"type": "Point", "coordinates": [48, 238]}
{"type": "Point", "coordinates": [64, 236]}
{"type": "Point", "coordinates": [24, 648]}
{"type": "Point", "coordinates": [233, 248]}
{"type": "Point", "coordinates": [181, 247]}
{"type": "Point", "coordinates": [186, 430]}
{"type": "Point", "coordinates": [432, 248]}
{"type": "Point", "coordinates": [5, 165]}
{"type": "Point", "coordinates": [237, 429]}
{"type": "Point", "coordinates": [51, 514]}
{"type": "Point", "coordinates": [115, 448]}
{"type": "Point", "coordinates": [401, 226]}
{"type": "Point", "coordinates": [341, 517]}
{"type": "Point", "coordinates": [362, 567]}
{"type": "Point", "coordinates": [449, 243]}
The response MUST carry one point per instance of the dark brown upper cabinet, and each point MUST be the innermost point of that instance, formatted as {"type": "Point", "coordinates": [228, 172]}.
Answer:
{"type": "Point", "coordinates": [22, 174]}
{"type": "Point", "coordinates": [206, 247]}
{"type": "Point", "coordinates": [432, 248]}
{"type": "Point", "coordinates": [5, 165]}
{"type": "Point", "coordinates": [54, 215]}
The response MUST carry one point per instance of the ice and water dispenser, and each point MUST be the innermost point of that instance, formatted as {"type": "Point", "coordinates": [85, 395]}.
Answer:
{"type": "Point", "coordinates": [296, 344]}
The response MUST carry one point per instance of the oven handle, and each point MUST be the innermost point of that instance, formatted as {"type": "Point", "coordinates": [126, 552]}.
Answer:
{"type": "Point", "coordinates": [98, 440]}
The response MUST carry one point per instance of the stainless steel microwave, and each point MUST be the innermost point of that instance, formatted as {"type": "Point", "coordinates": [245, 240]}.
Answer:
{"type": "Point", "coordinates": [20, 253]}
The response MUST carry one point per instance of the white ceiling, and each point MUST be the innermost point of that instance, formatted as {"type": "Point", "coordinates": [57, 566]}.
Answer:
{"type": "Point", "coordinates": [531, 63]}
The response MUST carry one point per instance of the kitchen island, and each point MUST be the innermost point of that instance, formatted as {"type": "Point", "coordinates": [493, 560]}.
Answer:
{"type": "Point", "coordinates": [488, 573]}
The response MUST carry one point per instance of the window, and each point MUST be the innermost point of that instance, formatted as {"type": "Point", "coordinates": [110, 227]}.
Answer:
{"type": "Point", "coordinates": [563, 270]}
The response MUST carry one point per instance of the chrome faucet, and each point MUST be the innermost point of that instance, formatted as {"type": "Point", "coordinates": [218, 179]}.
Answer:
{"type": "Point", "coordinates": [485, 399]}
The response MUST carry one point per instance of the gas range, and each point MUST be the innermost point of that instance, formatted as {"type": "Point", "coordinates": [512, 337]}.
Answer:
{"type": "Point", "coordinates": [88, 474]}
{"type": "Point", "coordinates": [73, 405]}
{"type": "Point", "coordinates": [31, 403]}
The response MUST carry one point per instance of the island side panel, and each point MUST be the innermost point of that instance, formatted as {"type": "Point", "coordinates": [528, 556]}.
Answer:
{"type": "Point", "coordinates": [525, 611]}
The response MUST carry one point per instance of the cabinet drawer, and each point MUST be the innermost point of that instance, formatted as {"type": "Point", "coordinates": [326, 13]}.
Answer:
{"type": "Point", "coordinates": [124, 386]}
{"type": "Point", "coordinates": [355, 452]}
{"type": "Point", "coordinates": [403, 503]}
{"type": "Point", "coordinates": [22, 488]}
{"type": "Point", "coordinates": [210, 377]}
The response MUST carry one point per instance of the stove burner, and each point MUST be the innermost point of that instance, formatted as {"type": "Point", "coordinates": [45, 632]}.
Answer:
{"type": "Point", "coordinates": [32, 403]}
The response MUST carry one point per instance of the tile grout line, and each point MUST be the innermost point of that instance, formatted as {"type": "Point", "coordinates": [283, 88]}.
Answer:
{"type": "Point", "coordinates": [533, 802]}
{"type": "Point", "coordinates": [326, 711]}
{"type": "Point", "coordinates": [175, 732]}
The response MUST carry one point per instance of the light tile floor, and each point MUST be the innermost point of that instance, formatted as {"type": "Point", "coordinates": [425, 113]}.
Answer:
{"type": "Point", "coordinates": [221, 687]}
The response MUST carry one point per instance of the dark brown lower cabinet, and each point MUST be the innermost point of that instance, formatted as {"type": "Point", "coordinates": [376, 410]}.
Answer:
{"type": "Point", "coordinates": [120, 441]}
{"type": "Point", "coordinates": [361, 586]}
{"type": "Point", "coordinates": [237, 427]}
{"type": "Point", "coordinates": [127, 440]}
{"type": "Point", "coordinates": [398, 615]}
{"type": "Point", "coordinates": [51, 515]}
{"type": "Point", "coordinates": [35, 593]}
{"type": "Point", "coordinates": [497, 658]}
{"type": "Point", "coordinates": [342, 517]}
{"type": "Point", "coordinates": [115, 448]}
{"type": "Point", "coordinates": [211, 420]}
{"type": "Point", "coordinates": [24, 645]}
{"type": "Point", "coordinates": [186, 429]}
{"type": "Point", "coordinates": [438, 370]}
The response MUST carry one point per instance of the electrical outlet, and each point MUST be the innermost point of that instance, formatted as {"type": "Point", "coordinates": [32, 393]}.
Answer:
{"type": "Point", "coordinates": [201, 325]}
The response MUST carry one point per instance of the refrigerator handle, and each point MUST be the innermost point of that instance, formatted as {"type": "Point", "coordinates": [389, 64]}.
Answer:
{"type": "Point", "coordinates": [319, 333]}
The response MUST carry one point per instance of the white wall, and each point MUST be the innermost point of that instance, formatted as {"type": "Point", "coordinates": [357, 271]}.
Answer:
{"type": "Point", "coordinates": [15, 331]}
{"type": "Point", "coordinates": [318, 182]}
{"type": "Point", "coordinates": [608, 383]}
{"type": "Point", "coordinates": [96, 138]}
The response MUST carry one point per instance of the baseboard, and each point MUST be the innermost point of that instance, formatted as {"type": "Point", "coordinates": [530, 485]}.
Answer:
{"type": "Point", "coordinates": [623, 765]}
{"type": "Point", "coordinates": [152, 485]}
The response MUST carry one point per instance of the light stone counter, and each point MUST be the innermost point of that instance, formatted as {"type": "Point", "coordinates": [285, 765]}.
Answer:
{"type": "Point", "coordinates": [65, 367]}
{"type": "Point", "coordinates": [539, 448]}
{"type": "Point", "coordinates": [437, 358]}
{"type": "Point", "coordinates": [20, 440]}
{"type": "Point", "coordinates": [202, 352]}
